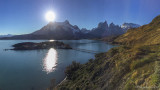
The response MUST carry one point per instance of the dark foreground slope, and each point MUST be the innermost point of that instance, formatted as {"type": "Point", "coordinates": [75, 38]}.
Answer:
{"type": "Point", "coordinates": [134, 65]}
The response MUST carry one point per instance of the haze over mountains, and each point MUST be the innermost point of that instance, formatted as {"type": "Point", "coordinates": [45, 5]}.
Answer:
{"type": "Point", "coordinates": [64, 30]}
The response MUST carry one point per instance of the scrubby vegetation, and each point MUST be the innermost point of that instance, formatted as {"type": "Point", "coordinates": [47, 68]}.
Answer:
{"type": "Point", "coordinates": [133, 66]}
{"type": "Point", "coordinates": [145, 35]}
{"type": "Point", "coordinates": [70, 70]}
{"type": "Point", "coordinates": [120, 68]}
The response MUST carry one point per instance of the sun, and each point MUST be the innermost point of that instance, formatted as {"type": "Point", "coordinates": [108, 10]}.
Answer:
{"type": "Point", "coordinates": [50, 16]}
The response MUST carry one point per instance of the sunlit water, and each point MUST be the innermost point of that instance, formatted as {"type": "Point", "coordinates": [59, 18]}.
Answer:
{"type": "Point", "coordinates": [34, 69]}
{"type": "Point", "coordinates": [50, 60]}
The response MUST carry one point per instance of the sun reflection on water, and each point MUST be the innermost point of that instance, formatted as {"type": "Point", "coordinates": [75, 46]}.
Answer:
{"type": "Point", "coordinates": [50, 61]}
{"type": "Point", "coordinates": [51, 40]}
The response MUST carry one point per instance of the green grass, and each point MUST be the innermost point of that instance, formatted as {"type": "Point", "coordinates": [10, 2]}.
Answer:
{"type": "Point", "coordinates": [156, 75]}
{"type": "Point", "coordinates": [140, 62]}
{"type": "Point", "coordinates": [121, 66]}
{"type": "Point", "coordinates": [129, 67]}
{"type": "Point", "coordinates": [145, 35]}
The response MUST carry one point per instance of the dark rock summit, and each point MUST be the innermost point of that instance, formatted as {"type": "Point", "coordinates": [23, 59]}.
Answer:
{"type": "Point", "coordinates": [105, 30]}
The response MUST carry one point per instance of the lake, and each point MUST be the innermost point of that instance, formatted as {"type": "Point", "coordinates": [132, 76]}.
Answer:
{"type": "Point", "coordinates": [34, 69]}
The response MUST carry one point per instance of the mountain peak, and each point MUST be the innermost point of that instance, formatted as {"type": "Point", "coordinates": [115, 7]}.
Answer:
{"type": "Point", "coordinates": [130, 24]}
{"type": "Point", "coordinates": [111, 24]}
{"type": "Point", "coordinates": [59, 30]}
{"type": "Point", "coordinates": [66, 22]}
{"type": "Point", "coordinates": [103, 24]}
{"type": "Point", "coordinates": [127, 26]}
{"type": "Point", "coordinates": [156, 21]}
{"type": "Point", "coordinates": [50, 23]}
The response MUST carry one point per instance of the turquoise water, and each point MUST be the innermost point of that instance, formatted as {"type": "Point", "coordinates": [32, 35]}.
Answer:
{"type": "Point", "coordinates": [33, 69]}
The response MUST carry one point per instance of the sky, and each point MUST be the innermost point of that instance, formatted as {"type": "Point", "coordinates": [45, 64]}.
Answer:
{"type": "Point", "coordinates": [26, 16]}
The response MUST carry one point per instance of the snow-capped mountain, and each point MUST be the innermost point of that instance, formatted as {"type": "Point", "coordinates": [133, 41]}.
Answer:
{"type": "Point", "coordinates": [127, 26]}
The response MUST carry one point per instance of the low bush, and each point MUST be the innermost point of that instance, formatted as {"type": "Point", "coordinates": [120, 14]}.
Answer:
{"type": "Point", "coordinates": [71, 69]}
{"type": "Point", "coordinates": [139, 63]}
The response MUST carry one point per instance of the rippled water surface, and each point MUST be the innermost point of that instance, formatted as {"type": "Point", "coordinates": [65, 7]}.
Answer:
{"type": "Point", "coordinates": [34, 69]}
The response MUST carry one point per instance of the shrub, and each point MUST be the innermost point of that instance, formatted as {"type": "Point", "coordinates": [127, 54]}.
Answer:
{"type": "Point", "coordinates": [156, 75]}
{"type": "Point", "coordinates": [144, 49]}
{"type": "Point", "coordinates": [113, 51]}
{"type": "Point", "coordinates": [139, 63]}
{"type": "Point", "coordinates": [71, 69]}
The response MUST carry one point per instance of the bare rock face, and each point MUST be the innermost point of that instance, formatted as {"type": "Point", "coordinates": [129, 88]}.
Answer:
{"type": "Point", "coordinates": [105, 30]}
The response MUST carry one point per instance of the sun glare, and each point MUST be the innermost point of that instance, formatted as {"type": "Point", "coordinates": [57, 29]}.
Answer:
{"type": "Point", "coordinates": [51, 40]}
{"type": "Point", "coordinates": [50, 61]}
{"type": "Point", "coordinates": [50, 16]}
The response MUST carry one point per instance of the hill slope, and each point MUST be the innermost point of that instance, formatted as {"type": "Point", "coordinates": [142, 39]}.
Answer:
{"type": "Point", "coordinates": [144, 35]}
{"type": "Point", "coordinates": [122, 68]}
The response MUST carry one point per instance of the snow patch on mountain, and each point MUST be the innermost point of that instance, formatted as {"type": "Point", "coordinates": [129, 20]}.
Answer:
{"type": "Point", "coordinates": [127, 26]}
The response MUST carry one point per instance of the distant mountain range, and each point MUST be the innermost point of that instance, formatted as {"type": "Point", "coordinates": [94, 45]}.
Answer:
{"type": "Point", "coordinates": [8, 35]}
{"type": "Point", "coordinates": [64, 30]}
{"type": "Point", "coordinates": [104, 30]}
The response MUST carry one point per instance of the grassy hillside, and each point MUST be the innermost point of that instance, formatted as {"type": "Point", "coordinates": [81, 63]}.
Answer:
{"type": "Point", "coordinates": [120, 68]}
{"type": "Point", "coordinates": [134, 65]}
{"type": "Point", "coordinates": [144, 35]}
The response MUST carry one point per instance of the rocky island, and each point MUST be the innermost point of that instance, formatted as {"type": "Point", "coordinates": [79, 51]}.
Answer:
{"type": "Point", "coordinates": [41, 45]}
